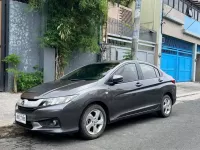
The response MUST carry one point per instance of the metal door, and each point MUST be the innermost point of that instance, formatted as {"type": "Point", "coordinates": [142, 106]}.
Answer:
{"type": "Point", "coordinates": [168, 62]}
{"type": "Point", "coordinates": [185, 67]}
{"type": "Point", "coordinates": [177, 63]}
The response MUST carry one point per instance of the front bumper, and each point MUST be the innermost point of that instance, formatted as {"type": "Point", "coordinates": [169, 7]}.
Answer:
{"type": "Point", "coordinates": [67, 116]}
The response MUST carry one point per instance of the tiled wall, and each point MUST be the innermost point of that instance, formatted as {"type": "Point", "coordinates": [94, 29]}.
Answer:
{"type": "Point", "coordinates": [24, 34]}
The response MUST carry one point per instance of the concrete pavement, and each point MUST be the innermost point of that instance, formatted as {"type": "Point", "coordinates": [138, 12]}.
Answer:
{"type": "Point", "coordinates": [7, 107]}
{"type": "Point", "coordinates": [187, 89]}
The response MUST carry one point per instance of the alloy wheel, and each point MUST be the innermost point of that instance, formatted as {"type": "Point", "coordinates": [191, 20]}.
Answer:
{"type": "Point", "coordinates": [167, 106]}
{"type": "Point", "coordinates": [94, 122]}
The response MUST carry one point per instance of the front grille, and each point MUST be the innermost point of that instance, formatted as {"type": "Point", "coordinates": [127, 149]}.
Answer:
{"type": "Point", "coordinates": [26, 109]}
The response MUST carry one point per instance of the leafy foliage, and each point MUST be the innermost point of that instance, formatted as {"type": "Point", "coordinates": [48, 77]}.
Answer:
{"type": "Point", "coordinates": [28, 80]}
{"type": "Point", "coordinates": [13, 61]}
{"type": "Point", "coordinates": [22, 81]}
{"type": "Point", "coordinates": [72, 25]}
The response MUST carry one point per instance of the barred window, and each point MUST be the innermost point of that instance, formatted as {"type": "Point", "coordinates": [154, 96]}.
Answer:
{"type": "Point", "coordinates": [183, 5]}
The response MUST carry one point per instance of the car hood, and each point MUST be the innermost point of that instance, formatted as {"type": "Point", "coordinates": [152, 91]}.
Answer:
{"type": "Point", "coordinates": [58, 88]}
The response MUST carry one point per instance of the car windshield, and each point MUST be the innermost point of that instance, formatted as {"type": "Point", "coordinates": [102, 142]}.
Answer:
{"type": "Point", "coordinates": [90, 72]}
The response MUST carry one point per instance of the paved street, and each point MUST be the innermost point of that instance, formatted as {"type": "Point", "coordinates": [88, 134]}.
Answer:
{"type": "Point", "coordinates": [179, 132]}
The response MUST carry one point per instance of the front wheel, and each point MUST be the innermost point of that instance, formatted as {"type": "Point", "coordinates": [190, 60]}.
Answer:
{"type": "Point", "coordinates": [93, 122]}
{"type": "Point", "coordinates": [166, 107]}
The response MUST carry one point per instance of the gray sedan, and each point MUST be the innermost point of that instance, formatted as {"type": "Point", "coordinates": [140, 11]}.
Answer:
{"type": "Point", "coordinates": [89, 98]}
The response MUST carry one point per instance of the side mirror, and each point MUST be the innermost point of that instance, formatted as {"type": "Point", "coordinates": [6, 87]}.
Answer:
{"type": "Point", "coordinates": [117, 79]}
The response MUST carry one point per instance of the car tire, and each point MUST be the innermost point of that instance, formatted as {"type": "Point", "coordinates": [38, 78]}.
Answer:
{"type": "Point", "coordinates": [93, 122]}
{"type": "Point", "coordinates": [166, 107]}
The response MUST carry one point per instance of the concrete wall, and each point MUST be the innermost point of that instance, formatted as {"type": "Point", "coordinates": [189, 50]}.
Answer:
{"type": "Point", "coordinates": [148, 36]}
{"type": "Point", "coordinates": [150, 14]}
{"type": "Point", "coordinates": [79, 59]}
{"type": "Point", "coordinates": [24, 34]}
{"type": "Point", "coordinates": [49, 64]}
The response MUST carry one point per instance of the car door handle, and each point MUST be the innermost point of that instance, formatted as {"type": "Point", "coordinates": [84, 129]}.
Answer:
{"type": "Point", "coordinates": [160, 80]}
{"type": "Point", "coordinates": [138, 84]}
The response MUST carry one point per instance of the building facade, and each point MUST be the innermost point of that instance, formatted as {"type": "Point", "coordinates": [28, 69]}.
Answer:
{"type": "Point", "coordinates": [118, 35]}
{"type": "Point", "coordinates": [181, 39]}
{"type": "Point", "coordinates": [177, 24]}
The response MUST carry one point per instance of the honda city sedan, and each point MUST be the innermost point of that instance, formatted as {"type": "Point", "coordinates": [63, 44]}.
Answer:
{"type": "Point", "coordinates": [89, 98]}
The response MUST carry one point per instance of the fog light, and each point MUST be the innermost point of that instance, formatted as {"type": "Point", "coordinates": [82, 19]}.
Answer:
{"type": "Point", "coordinates": [51, 123]}
{"type": "Point", "coordinates": [54, 123]}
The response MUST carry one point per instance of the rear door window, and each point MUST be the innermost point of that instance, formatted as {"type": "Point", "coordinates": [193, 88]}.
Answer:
{"type": "Point", "coordinates": [148, 71]}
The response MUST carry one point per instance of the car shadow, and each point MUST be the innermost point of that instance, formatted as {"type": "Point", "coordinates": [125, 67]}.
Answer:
{"type": "Point", "coordinates": [131, 121]}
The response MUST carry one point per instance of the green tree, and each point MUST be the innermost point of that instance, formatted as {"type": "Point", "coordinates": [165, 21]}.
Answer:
{"type": "Point", "coordinates": [13, 61]}
{"type": "Point", "coordinates": [72, 25]}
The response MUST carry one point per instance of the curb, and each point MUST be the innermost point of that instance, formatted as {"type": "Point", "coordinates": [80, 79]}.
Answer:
{"type": "Point", "coordinates": [188, 94]}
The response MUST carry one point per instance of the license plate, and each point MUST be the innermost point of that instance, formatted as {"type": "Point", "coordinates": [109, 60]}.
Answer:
{"type": "Point", "coordinates": [20, 118]}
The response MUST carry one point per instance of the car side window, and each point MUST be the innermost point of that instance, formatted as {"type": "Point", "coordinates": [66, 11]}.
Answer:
{"type": "Point", "coordinates": [148, 71]}
{"type": "Point", "coordinates": [129, 73]}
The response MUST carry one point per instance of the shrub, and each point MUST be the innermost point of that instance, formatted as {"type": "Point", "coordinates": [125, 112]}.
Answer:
{"type": "Point", "coordinates": [13, 61]}
{"type": "Point", "coordinates": [28, 80]}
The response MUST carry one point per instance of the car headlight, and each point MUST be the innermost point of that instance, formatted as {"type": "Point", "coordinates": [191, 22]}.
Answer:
{"type": "Point", "coordinates": [57, 100]}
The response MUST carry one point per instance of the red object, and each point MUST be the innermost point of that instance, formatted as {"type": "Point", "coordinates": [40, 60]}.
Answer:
{"type": "Point", "coordinates": [173, 81]}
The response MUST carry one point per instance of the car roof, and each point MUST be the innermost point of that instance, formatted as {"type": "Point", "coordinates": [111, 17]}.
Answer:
{"type": "Point", "coordinates": [115, 62]}
{"type": "Point", "coordinates": [125, 61]}
{"type": "Point", "coordinates": [122, 61]}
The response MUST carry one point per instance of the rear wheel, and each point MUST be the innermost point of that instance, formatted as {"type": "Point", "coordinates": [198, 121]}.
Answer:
{"type": "Point", "coordinates": [166, 107]}
{"type": "Point", "coordinates": [93, 122]}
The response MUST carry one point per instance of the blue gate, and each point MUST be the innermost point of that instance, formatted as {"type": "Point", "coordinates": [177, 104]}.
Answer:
{"type": "Point", "coordinates": [176, 60]}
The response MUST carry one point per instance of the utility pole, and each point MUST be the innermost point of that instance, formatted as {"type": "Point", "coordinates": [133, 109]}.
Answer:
{"type": "Point", "coordinates": [136, 29]}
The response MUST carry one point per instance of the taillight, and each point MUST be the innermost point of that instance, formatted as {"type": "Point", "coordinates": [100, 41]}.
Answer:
{"type": "Point", "coordinates": [174, 81]}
